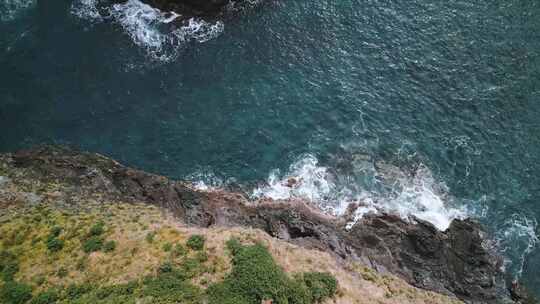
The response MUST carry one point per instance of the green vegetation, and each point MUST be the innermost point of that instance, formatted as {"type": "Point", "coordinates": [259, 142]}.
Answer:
{"type": "Point", "coordinates": [256, 277]}
{"type": "Point", "coordinates": [109, 246]}
{"type": "Point", "coordinates": [9, 266]}
{"type": "Point", "coordinates": [92, 244]}
{"type": "Point", "coordinates": [46, 297]}
{"type": "Point", "coordinates": [94, 240]}
{"type": "Point", "coordinates": [167, 247]}
{"type": "Point", "coordinates": [15, 293]}
{"type": "Point", "coordinates": [150, 237]}
{"type": "Point", "coordinates": [196, 242]}
{"type": "Point", "coordinates": [174, 268]}
{"type": "Point", "coordinates": [54, 244]}
{"type": "Point", "coordinates": [179, 250]}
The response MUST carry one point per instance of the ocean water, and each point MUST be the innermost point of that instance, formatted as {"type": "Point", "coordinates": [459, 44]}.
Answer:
{"type": "Point", "coordinates": [423, 108]}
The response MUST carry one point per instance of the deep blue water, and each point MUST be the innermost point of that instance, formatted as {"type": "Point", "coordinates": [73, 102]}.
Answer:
{"type": "Point", "coordinates": [450, 86]}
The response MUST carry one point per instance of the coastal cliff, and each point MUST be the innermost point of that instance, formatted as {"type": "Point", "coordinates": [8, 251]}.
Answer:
{"type": "Point", "coordinates": [375, 259]}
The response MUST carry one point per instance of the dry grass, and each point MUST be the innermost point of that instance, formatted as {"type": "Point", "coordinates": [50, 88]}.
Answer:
{"type": "Point", "coordinates": [24, 227]}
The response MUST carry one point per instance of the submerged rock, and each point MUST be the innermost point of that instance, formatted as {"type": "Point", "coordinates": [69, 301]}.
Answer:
{"type": "Point", "coordinates": [453, 262]}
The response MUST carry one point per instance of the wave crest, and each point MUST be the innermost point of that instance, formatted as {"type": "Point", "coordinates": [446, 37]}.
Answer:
{"type": "Point", "coordinates": [408, 194]}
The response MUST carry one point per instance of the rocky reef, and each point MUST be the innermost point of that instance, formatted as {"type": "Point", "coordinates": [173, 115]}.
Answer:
{"type": "Point", "coordinates": [454, 262]}
{"type": "Point", "coordinates": [198, 8]}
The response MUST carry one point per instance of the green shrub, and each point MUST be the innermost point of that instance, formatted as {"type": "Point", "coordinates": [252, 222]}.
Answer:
{"type": "Point", "coordinates": [97, 229]}
{"type": "Point", "coordinates": [9, 266]}
{"type": "Point", "coordinates": [46, 297]}
{"type": "Point", "coordinates": [94, 243]}
{"type": "Point", "coordinates": [150, 237]}
{"type": "Point", "coordinates": [201, 256]}
{"type": "Point", "coordinates": [167, 247]}
{"type": "Point", "coordinates": [15, 293]}
{"type": "Point", "coordinates": [74, 292]}
{"type": "Point", "coordinates": [255, 277]}
{"type": "Point", "coordinates": [165, 267]}
{"type": "Point", "coordinates": [179, 250]}
{"type": "Point", "coordinates": [171, 287]}
{"type": "Point", "coordinates": [191, 267]}
{"type": "Point", "coordinates": [54, 244]}
{"type": "Point", "coordinates": [321, 285]}
{"type": "Point", "coordinates": [196, 242]}
{"type": "Point", "coordinates": [55, 231]}
{"type": "Point", "coordinates": [109, 246]}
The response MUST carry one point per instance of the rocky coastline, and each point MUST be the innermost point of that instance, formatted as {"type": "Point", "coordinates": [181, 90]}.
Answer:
{"type": "Point", "coordinates": [454, 262]}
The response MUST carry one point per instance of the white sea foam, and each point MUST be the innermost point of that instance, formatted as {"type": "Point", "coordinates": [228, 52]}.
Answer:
{"type": "Point", "coordinates": [149, 27]}
{"type": "Point", "coordinates": [415, 194]}
{"type": "Point", "coordinates": [205, 181]}
{"type": "Point", "coordinates": [87, 10]}
{"type": "Point", "coordinates": [10, 9]}
{"type": "Point", "coordinates": [517, 238]}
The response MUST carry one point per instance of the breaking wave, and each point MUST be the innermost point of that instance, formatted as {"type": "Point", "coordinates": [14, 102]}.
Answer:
{"type": "Point", "coordinates": [148, 27]}
{"type": "Point", "coordinates": [388, 189]}
{"type": "Point", "coordinates": [205, 180]}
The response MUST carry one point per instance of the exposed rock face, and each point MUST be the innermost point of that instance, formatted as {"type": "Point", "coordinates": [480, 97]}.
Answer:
{"type": "Point", "coordinates": [453, 262]}
{"type": "Point", "coordinates": [191, 8]}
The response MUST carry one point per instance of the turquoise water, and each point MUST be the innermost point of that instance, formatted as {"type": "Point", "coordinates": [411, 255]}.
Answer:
{"type": "Point", "coordinates": [430, 108]}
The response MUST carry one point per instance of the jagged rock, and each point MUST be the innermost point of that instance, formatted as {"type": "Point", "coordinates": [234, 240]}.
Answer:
{"type": "Point", "coordinates": [452, 262]}
{"type": "Point", "coordinates": [199, 8]}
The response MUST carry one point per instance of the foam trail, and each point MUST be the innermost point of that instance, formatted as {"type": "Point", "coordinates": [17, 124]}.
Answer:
{"type": "Point", "coordinates": [87, 10]}
{"type": "Point", "coordinates": [407, 195]}
{"type": "Point", "coordinates": [10, 9]}
{"type": "Point", "coordinates": [148, 27]}
{"type": "Point", "coordinates": [517, 239]}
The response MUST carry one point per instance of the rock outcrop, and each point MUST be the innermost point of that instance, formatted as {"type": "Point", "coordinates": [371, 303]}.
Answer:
{"type": "Point", "coordinates": [453, 262]}
{"type": "Point", "coordinates": [197, 8]}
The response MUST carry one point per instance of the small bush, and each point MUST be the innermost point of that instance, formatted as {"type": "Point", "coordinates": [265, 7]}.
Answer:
{"type": "Point", "coordinates": [54, 244]}
{"type": "Point", "coordinates": [167, 247]}
{"type": "Point", "coordinates": [165, 267]}
{"type": "Point", "coordinates": [201, 256]}
{"type": "Point", "coordinates": [9, 266]}
{"type": "Point", "coordinates": [150, 237]}
{"type": "Point", "coordinates": [74, 292]}
{"type": "Point", "coordinates": [196, 242]}
{"type": "Point", "coordinates": [92, 244]}
{"type": "Point", "coordinates": [46, 297]}
{"type": "Point", "coordinates": [179, 250]}
{"type": "Point", "coordinates": [321, 285]}
{"type": "Point", "coordinates": [55, 231]}
{"type": "Point", "coordinates": [109, 246]}
{"type": "Point", "coordinates": [15, 293]}
{"type": "Point", "coordinates": [97, 229]}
